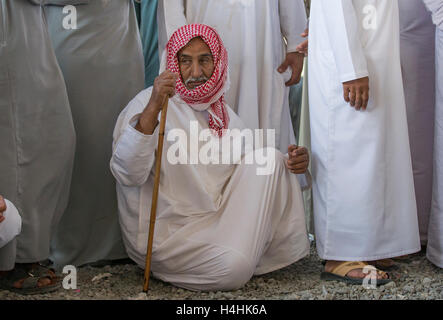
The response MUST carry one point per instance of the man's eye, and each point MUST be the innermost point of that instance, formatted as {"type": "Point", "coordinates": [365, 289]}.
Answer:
{"type": "Point", "coordinates": [185, 61]}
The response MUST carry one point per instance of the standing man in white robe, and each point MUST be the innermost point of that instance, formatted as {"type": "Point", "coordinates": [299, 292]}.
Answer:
{"type": "Point", "coordinates": [217, 224]}
{"type": "Point", "coordinates": [435, 231]}
{"type": "Point", "coordinates": [37, 142]}
{"type": "Point", "coordinates": [364, 199]}
{"type": "Point", "coordinates": [253, 32]}
{"type": "Point", "coordinates": [102, 62]}
{"type": "Point", "coordinates": [417, 48]}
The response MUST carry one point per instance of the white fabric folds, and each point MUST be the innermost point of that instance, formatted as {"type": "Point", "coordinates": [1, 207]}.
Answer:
{"type": "Point", "coordinates": [11, 226]}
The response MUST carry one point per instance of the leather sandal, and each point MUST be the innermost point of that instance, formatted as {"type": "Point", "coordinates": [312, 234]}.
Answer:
{"type": "Point", "coordinates": [384, 264]}
{"type": "Point", "coordinates": [339, 273]}
{"type": "Point", "coordinates": [30, 276]}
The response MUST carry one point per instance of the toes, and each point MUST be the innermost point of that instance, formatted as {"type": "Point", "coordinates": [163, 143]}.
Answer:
{"type": "Point", "coordinates": [43, 282]}
{"type": "Point", "coordinates": [18, 284]}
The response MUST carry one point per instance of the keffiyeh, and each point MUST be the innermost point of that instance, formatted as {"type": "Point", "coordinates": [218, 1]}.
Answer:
{"type": "Point", "coordinates": [210, 95]}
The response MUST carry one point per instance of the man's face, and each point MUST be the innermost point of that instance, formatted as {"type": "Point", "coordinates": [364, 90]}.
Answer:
{"type": "Point", "coordinates": [196, 63]}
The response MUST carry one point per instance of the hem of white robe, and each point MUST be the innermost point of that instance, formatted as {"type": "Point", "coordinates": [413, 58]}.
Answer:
{"type": "Point", "coordinates": [290, 261]}
{"type": "Point", "coordinates": [32, 260]}
{"type": "Point", "coordinates": [435, 260]}
{"type": "Point", "coordinates": [370, 258]}
{"type": "Point", "coordinates": [7, 255]}
{"type": "Point", "coordinates": [257, 272]}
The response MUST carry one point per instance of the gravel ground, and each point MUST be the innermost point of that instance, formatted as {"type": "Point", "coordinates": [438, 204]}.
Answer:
{"type": "Point", "coordinates": [416, 279]}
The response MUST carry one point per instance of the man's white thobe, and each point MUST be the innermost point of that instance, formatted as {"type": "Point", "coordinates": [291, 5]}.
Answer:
{"type": "Point", "coordinates": [435, 232]}
{"type": "Point", "coordinates": [417, 47]}
{"type": "Point", "coordinates": [217, 224]}
{"type": "Point", "coordinates": [37, 138]}
{"type": "Point", "coordinates": [252, 31]}
{"type": "Point", "coordinates": [102, 63]}
{"type": "Point", "coordinates": [364, 200]}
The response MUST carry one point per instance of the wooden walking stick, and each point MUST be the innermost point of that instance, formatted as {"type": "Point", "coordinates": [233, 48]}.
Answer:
{"type": "Point", "coordinates": [161, 136]}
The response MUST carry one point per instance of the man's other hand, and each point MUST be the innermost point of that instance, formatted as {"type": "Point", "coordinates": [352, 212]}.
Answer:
{"type": "Point", "coordinates": [356, 93]}
{"type": "Point", "coordinates": [295, 61]}
{"type": "Point", "coordinates": [2, 209]}
{"type": "Point", "coordinates": [303, 47]}
{"type": "Point", "coordinates": [298, 161]}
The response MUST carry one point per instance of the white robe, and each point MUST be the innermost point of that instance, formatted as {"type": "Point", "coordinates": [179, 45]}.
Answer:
{"type": "Point", "coordinates": [102, 64]}
{"type": "Point", "coordinates": [417, 48]}
{"type": "Point", "coordinates": [435, 232]}
{"type": "Point", "coordinates": [37, 138]}
{"type": "Point", "coordinates": [216, 225]}
{"type": "Point", "coordinates": [252, 32]}
{"type": "Point", "coordinates": [364, 200]}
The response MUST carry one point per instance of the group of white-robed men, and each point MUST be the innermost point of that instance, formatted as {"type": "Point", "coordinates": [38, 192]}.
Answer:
{"type": "Point", "coordinates": [219, 224]}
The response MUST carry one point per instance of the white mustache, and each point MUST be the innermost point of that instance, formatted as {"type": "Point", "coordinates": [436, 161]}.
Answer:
{"type": "Point", "coordinates": [200, 79]}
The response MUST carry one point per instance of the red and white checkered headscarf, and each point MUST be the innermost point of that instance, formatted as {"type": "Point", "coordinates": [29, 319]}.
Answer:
{"type": "Point", "coordinates": [210, 95]}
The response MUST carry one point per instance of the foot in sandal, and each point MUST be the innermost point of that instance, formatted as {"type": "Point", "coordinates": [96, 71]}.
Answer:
{"type": "Point", "coordinates": [29, 278]}
{"type": "Point", "coordinates": [384, 264]}
{"type": "Point", "coordinates": [351, 272]}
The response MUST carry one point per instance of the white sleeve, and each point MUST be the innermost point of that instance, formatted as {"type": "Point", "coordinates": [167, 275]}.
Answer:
{"type": "Point", "coordinates": [11, 226]}
{"type": "Point", "coordinates": [133, 153]}
{"type": "Point", "coordinates": [436, 7]}
{"type": "Point", "coordinates": [292, 22]}
{"type": "Point", "coordinates": [170, 17]}
{"type": "Point", "coordinates": [343, 29]}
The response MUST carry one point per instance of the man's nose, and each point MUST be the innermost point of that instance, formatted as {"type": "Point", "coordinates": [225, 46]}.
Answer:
{"type": "Point", "coordinates": [196, 70]}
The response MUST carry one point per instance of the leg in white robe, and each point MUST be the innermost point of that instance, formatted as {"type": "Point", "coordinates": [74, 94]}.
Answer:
{"type": "Point", "coordinates": [435, 232]}
{"type": "Point", "coordinates": [417, 48]}
{"type": "Point", "coordinates": [246, 236]}
{"type": "Point", "coordinates": [7, 255]}
{"type": "Point", "coordinates": [37, 136]}
{"type": "Point", "coordinates": [102, 62]}
{"type": "Point", "coordinates": [364, 199]}
{"type": "Point", "coordinates": [216, 225]}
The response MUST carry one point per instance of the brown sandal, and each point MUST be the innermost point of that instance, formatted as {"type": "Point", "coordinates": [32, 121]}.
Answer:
{"type": "Point", "coordinates": [384, 264]}
{"type": "Point", "coordinates": [29, 276]}
{"type": "Point", "coordinates": [339, 273]}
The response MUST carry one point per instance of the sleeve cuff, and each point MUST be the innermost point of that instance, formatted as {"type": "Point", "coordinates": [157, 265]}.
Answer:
{"type": "Point", "coordinates": [354, 76]}
{"type": "Point", "coordinates": [293, 43]}
{"type": "Point", "coordinates": [134, 142]}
